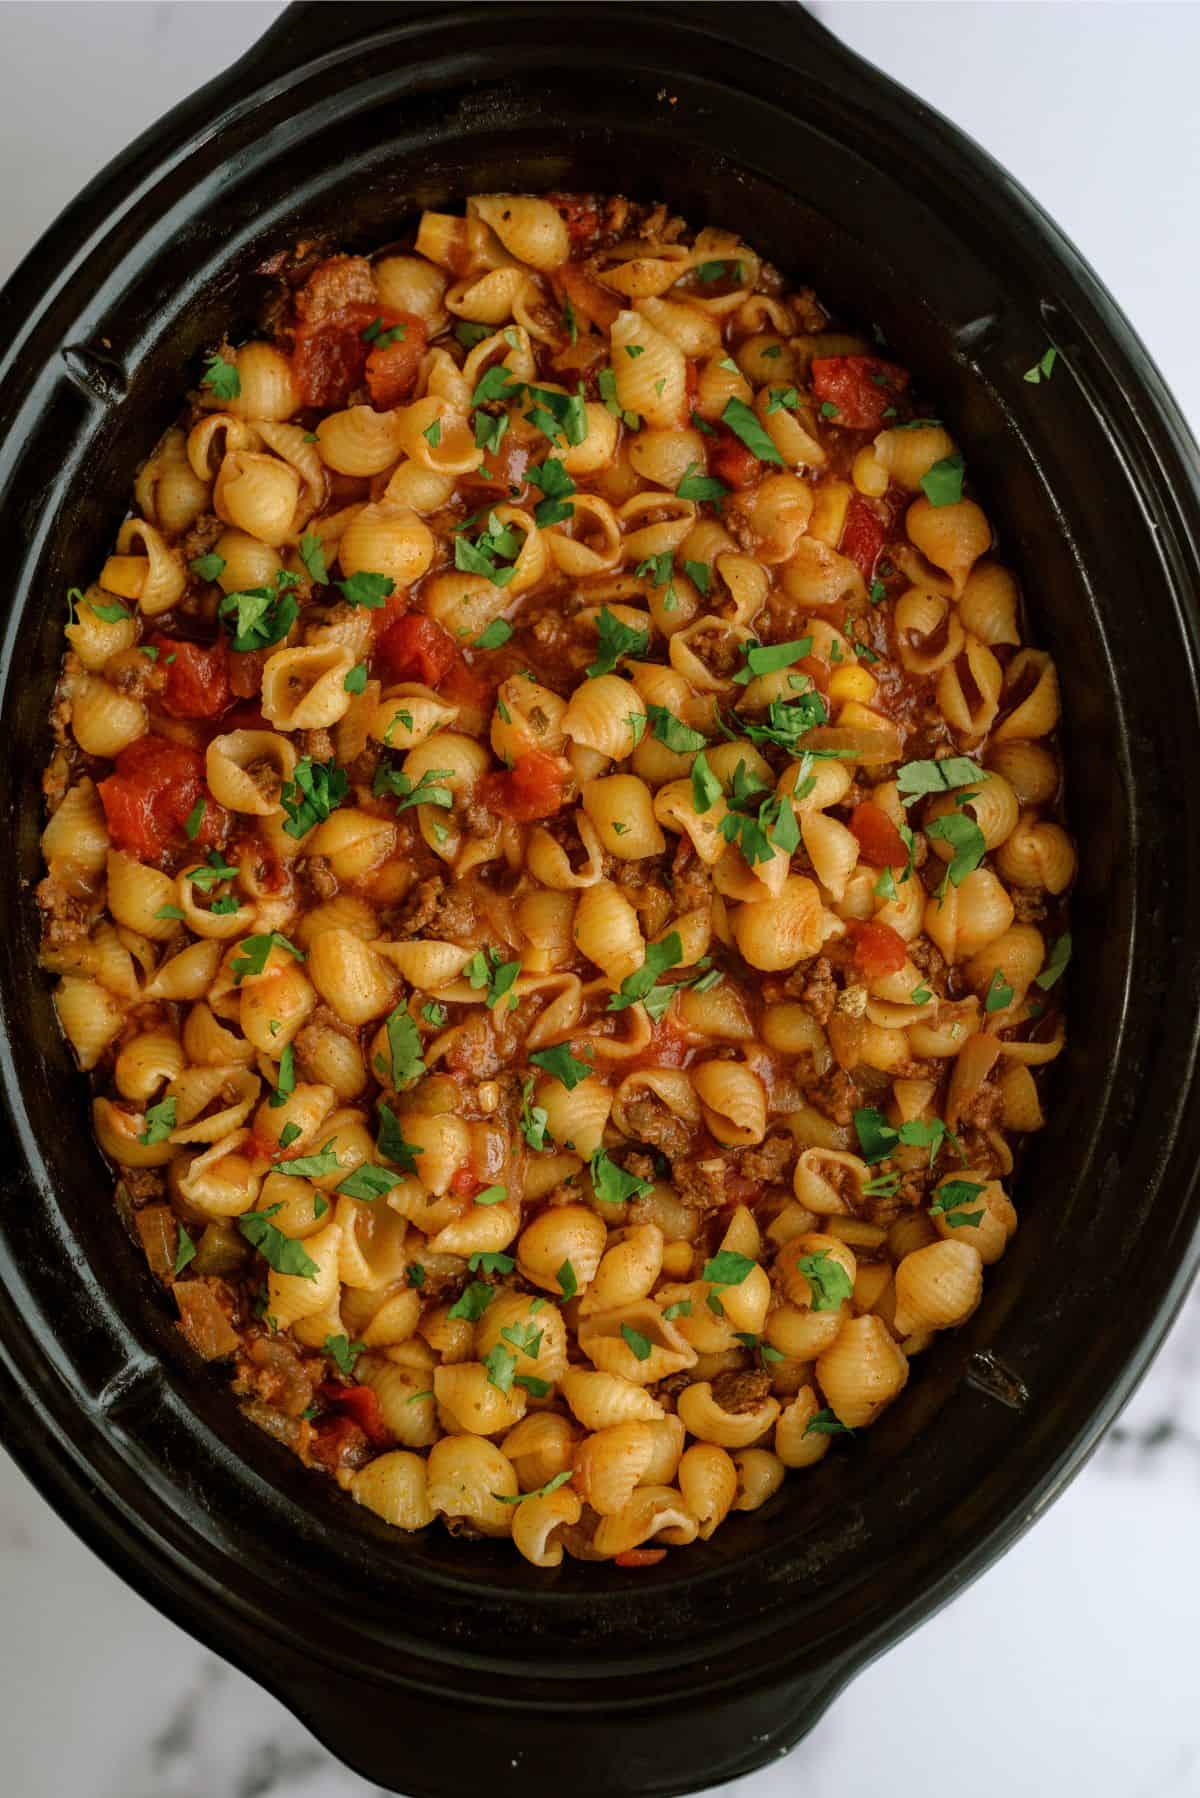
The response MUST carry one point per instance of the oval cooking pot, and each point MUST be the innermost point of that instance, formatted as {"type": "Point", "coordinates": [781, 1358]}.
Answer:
{"type": "Point", "coordinates": [431, 1665]}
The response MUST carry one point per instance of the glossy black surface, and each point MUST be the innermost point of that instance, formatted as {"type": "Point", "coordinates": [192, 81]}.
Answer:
{"type": "Point", "coordinates": [431, 1665]}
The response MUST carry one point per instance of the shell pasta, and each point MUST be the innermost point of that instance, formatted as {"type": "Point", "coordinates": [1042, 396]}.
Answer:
{"type": "Point", "coordinates": [556, 875]}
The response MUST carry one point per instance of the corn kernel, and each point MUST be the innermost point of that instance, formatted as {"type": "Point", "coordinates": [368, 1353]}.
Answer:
{"type": "Point", "coordinates": [677, 1260]}
{"type": "Point", "coordinates": [830, 504]}
{"type": "Point", "coordinates": [853, 712]}
{"type": "Point", "coordinates": [852, 683]}
{"type": "Point", "coordinates": [869, 475]}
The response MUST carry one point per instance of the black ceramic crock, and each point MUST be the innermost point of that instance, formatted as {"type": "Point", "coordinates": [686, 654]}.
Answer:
{"type": "Point", "coordinates": [435, 1666]}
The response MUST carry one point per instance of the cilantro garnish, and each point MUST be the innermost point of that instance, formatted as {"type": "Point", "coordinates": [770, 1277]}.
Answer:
{"type": "Point", "coordinates": [943, 484]}
{"type": "Point", "coordinates": [667, 728]}
{"type": "Point", "coordinates": [261, 615]}
{"type": "Point", "coordinates": [557, 487]}
{"type": "Point", "coordinates": [221, 378]}
{"type": "Point", "coordinates": [562, 1065]}
{"type": "Point", "coordinates": [315, 790]}
{"type": "Point", "coordinates": [1055, 967]}
{"type": "Point", "coordinates": [392, 782]}
{"type": "Point", "coordinates": [160, 1121]}
{"type": "Point", "coordinates": [743, 422]}
{"type": "Point", "coordinates": [828, 1280]}
{"type": "Point", "coordinates": [312, 554]}
{"type": "Point", "coordinates": [769, 658]}
{"type": "Point", "coordinates": [366, 589]}
{"type": "Point", "coordinates": [490, 970]}
{"type": "Point", "coordinates": [701, 487]}
{"type": "Point", "coordinates": [344, 1352]}
{"type": "Point", "coordinates": [208, 567]}
{"type": "Point", "coordinates": [658, 958]}
{"type": "Point", "coordinates": [615, 640]}
{"type": "Point", "coordinates": [283, 1253]}
{"type": "Point", "coordinates": [612, 1185]}
{"type": "Point", "coordinates": [915, 780]}
{"type": "Point", "coordinates": [1042, 369]}
{"type": "Point", "coordinates": [534, 1118]}
{"type": "Point", "coordinates": [254, 951]}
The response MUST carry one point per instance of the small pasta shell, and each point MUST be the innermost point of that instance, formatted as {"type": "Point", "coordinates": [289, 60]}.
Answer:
{"type": "Point", "coordinates": [708, 1481]}
{"type": "Point", "coordinates": [610, 1464]}
{"type": "Point", "coordinates": [862, 1371]}
{"type": "Point", "coordinates": [394, 1486]}
{"type": "Point", "coordinates": [704, 1417]}
{"type": "Point", "coordinates": [1038, 854]}
{"type": "Point", "coordinates": [952, 537]}
{"type": "Point", "coordinates": [794, 1444]}
{"type": "Point", "coordinates": [600, 1400]}
{"type": "Point", "coordinates": [938, 1286]}
{"type": "Point", "coordinates": [734, 1101]}
{"type": "Point", "coordinates": [539, 1521]}
{"type": "Point", "coordinates": [470, 1477]}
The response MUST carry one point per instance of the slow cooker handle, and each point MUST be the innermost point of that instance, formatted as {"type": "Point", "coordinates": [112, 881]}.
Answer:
{"type": "Point", "coordinates": [313, 28]}
{"type": "Point", "coordinates": [417, 1741]}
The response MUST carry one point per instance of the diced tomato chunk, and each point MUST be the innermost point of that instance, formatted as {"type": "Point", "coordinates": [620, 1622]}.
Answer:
{"type": "Point", "coordinates": [580, 214]}
{"type": "Point", "coordinates": [245, 674]}
{"type": "Point", "coordinates": [152, 790]}
{"type": "Point", "coordinates": [468, 688]}
{"type": "Point", "coordinates": [730, 461]}
{"type": "Point", "coordinates": [532, 788]}
{"type": "Point", "coordinates": [417, 648]}
{"type": "Point", "coordinates": [639, 1557]}
{"type": "Point", "coordinates": [392, 369]}
{"type": "Point", "coordinates": [329, 356]}
{"type": "Point", "coordinates": [863, 536]}
{"type": "Point", "coordinates": [197, 678]}
{"type": "Point", "coordinates": [878, 949]}
{"type": "Point", "coordinates": [361, 1405]}
{"type": "Point", "coordinates": [247, 716]}
{"type": "Point", "coordinates": [333, 1439]}
{"type": "Point", "coordinates": [861, 387]}
{"type": "Point", "coordinates": [666, 1048]}
{"type": "Point", "coordinates": [878, 837]}
{"type": "Point", "coordinates": [463, 1181]}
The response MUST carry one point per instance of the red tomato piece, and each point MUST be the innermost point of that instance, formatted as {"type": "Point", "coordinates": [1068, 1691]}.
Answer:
{"type": "Point", "coordinates": [359, 1404]}
{"type": "Point", "coordinates": [246, 717]}
{"type": "Point", "coordinates": [741, 1191]}
{"type": "Point", "coordinates": [154, 787]}
{"type": "Point", "coordinates": [332, 1439]}
{"type": "Point", "coordinates": [666, 1048]}
{"type": "Point", "coordinates": [861, 387]}
{"type": "Point", "coordinates": [878, 837]}
{"type": "Point", "coordinates": [329, 357]}
{"type": "Point", "coordinates": [639, 1557]}
{"type": "Point", "coordinates": [245, 674]}
{"type": "Point", "coordinates": [198, 683]}
{"type": "Point", "coordinates": [417, 648]}
{"type": "Point", "coordinates": [732, 462]}
{"type": "Point", "coordinates": [863, 536]}
{"type": "Point", "coordinates": [580, 214]}
{"type": "Point", "coordinates": [532, 788]}
{"type": "Point", "coordinates": [392, 370]}
{"type": "Point", "coordinates": [878, 949]}
{"type": "Point", "coordinates": [469, 688]}
{"type": "Point", "coordinates": [463, 1181]}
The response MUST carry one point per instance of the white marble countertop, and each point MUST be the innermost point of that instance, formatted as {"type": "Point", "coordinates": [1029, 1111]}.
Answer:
{"type": "Point", "coordinates": [1070, 1666]}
